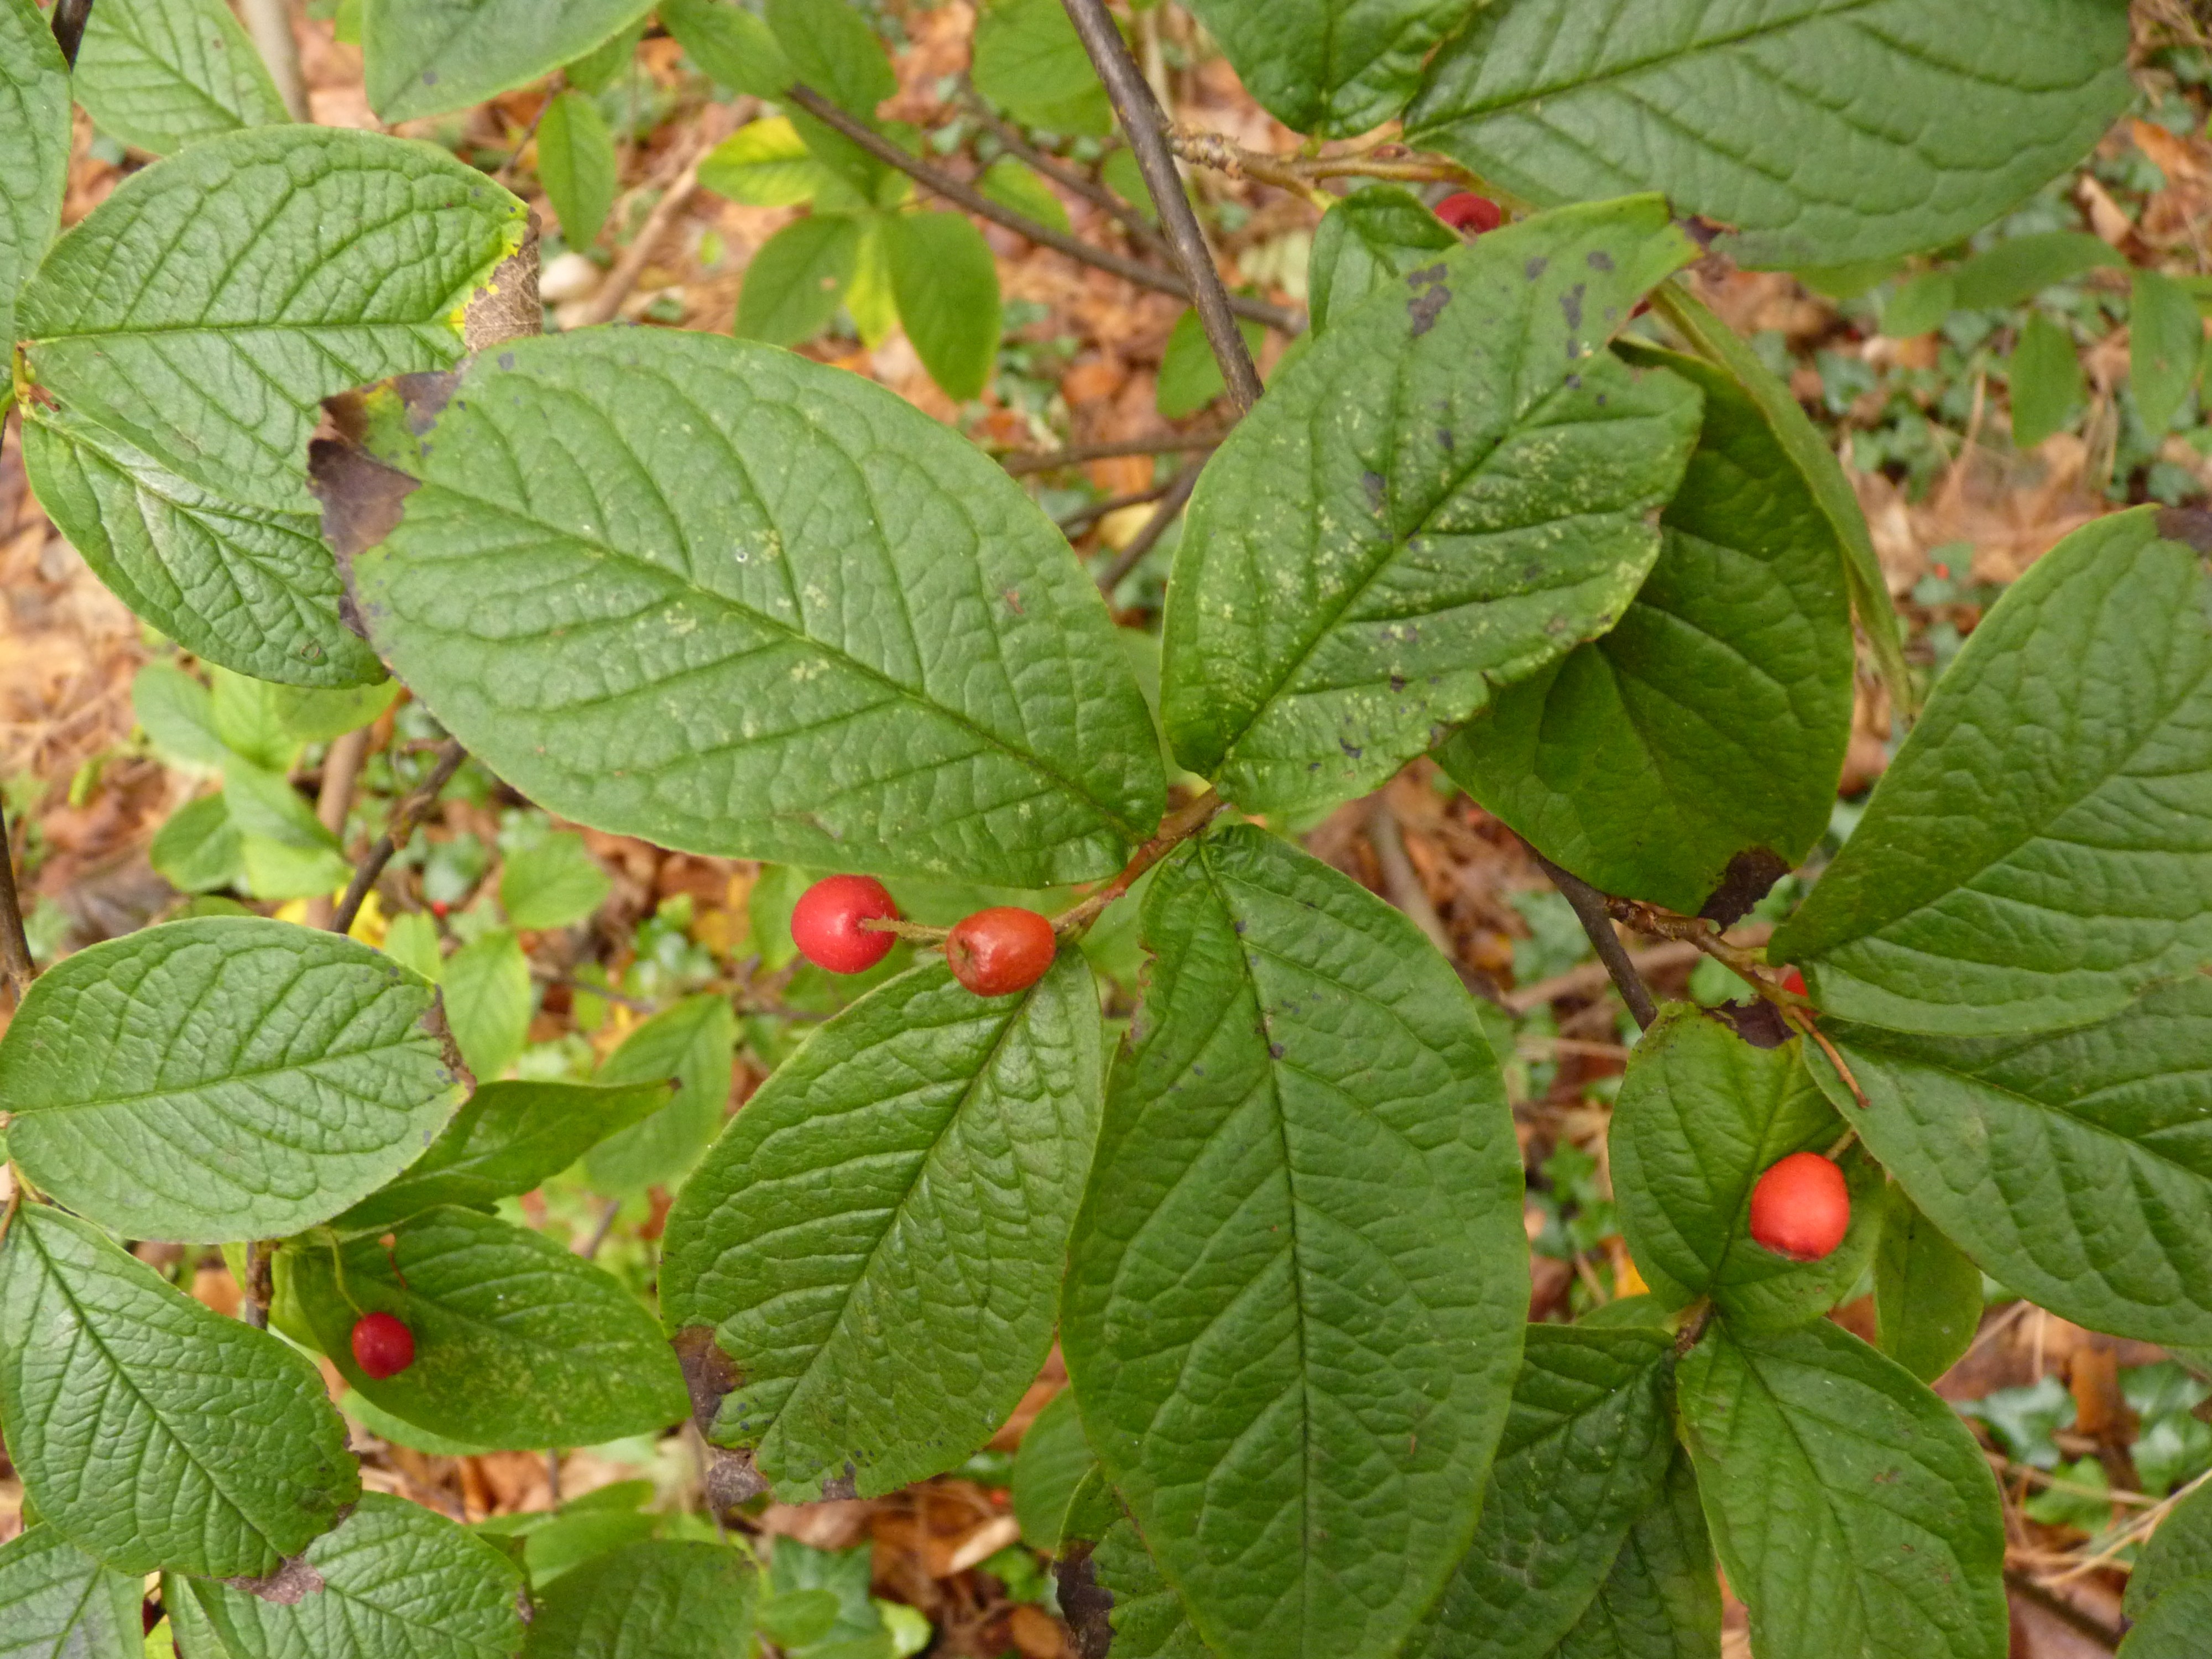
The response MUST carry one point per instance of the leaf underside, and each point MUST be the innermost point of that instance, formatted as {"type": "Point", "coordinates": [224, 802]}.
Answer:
{"type": "Point", "coordinates": [34, 133]}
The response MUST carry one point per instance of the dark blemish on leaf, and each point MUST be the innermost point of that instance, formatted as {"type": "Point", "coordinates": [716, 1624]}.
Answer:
{"type": "Point", "coordinates": [1601, 400]}
{"type": "Point", "coordinates": [1535, 267]}
{"type": "Point", "coordinates": [1274, 1051]}
{"type": "Point", "coordinates": [845, 1486]}
{"type": "Point", "coordinates": [709, 1374]}
{"type": "Point", "coordinates": [1083, 1601]}
{"type": "Point", "coordinates": [1240, 925]}
{"type": "Point", "coordinates": [430, 77]}
{"type": "Point", "coordinates": [1574, 383]}
{"type": "Point", "coordinates": [1758, 1023]}
{"type": "Point", "coordinates": [1445, 437]}
{"type": "Point", "coordinates": [731, 1480]}
{"type": "Point", "coordinates": [507, 359]}
{"type": "Point", "coordinates": [1425, 308]}
{"type": "Point", "coordinates": [1377, 489]}
{"type": "Point", "coordinates": [292, 1583]}
{"type": "Point", "coordinates": [1704, 231]}
{"type": "Point", "coordinates": [1397, 681]}
{"type": "Point", "coordinates": [1314, 766]}
{"type": "Point", "coordinates": [1598, 259]}
{"type": "Point", "coordinates": [1749, 875]}
{"type": "Point", "coordinates": [1424, 275]}
{"type": "Point", "coordinates": [1350, 750]}
{"type": "Point", "coordinates": [1570, 304]}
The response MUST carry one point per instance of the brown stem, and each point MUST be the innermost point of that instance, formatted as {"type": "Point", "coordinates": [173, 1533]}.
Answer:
{"type": "Point", "coordinates": [333, 800]}
{"type": "Point", "coordinates": [70, 18]}
{"type": "Point", "coordinates": [914, 932]}
{"type": "Point", "coordinates": [1146, 126]}
{"type": "Point", "coordinates": [1097, 195]}
{"type": "Point", "coordinates": [270, 24]}
{"type": "Point", "coordinates": [1804, 1021]}
{"type": "Point", "coordinates": [1155, 527]}
{"type": "Point", "coordinates": [260, 1286]}
{"type": "Point", "coordinates": [1176, 829]}
{"type": "Point", "coordinates": [514, 156]}
{"type": "Point", "coordinates": [1402, 883]}
{"type": "Point", "coordinates": [2062, 1609]}
{"type": "Point", "coordinates": [1301, 175]}
{"type": "Point", "coordinates": [405, 817]}
{"type": "Point", "coordinates": [17, 966]}
{"type": "Point", "coordinates": [1080, 520]}
{"type": "Point", "coordinates": [1590, 909]}
{"type": "Point", "coordinates": [1167, 443]}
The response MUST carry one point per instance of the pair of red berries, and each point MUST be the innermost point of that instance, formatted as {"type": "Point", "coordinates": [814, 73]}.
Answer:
{"type": "Point", "coordinates": [382, 1346]}
{"type": "Point", "coordinates": [994, 952]}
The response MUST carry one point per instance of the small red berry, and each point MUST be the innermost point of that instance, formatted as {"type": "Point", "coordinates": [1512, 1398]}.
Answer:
{"type": "Point", "coordinates": [382, 1346]}
{"type": "Point", "coordinates": [1794, 981]}
{"type": "Point", "coordinates": [1465, 211]}
{"type": "Point", "coordinates": [825, 923]}
{"type": "Point", "coordinates": [1801, 1208]}
{"type": "Point", "coordinates": [998, 951]}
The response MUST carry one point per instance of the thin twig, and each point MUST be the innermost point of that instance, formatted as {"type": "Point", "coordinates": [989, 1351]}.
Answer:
{"type": "Point", "coordinates": [1302, 175]}
{"type": "Point", "coordinates": [404, 819]}
{"type": "Point", "coordinates": [333, 800]}
{"type": "Point", "coordinates": [553, 1475]}
{"type": "Point", "coordinates": [1594, 976]}
{"type": "Point", "coordinates": [585, 988]}
{"type": "Point", "coordinates": [1155, 527]}
{"type": "Point", "coordinates": [514, 156]}
{"type": "Point", "coordinates": [1402, 883]}
{"type": "Point", "coordinates": [607, 298]}
{"type": "Point", "coordinates": [605, 1225]}
{"type": "Point", "coordinates": [1590, 909]}
{"type": "Point", "coordinates": [1080, 520]}
{"type": "Point", "coordinates": [1178, 827]}
{"type": "Point", "coordinates": [1091, 191]}
{"type": "Point", "coordinates": [2062, 1609]}
{"type": "Point", "coordinates": [1145, 125]}
{"type": "Point", "coordinates": [1166, 443]}
{"type": "Point", "coordinates": [269, 23]}
{"type": "Point", "coordinates": [70, 18]}
{"type": "Point", "coordinates": [17, 966]}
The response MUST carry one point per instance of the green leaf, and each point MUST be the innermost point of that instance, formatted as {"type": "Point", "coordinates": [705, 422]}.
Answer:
{"type": "Point", "coordinates": [694, 1042]}
{"type": "Point", "coordinates": [797, 277]}
{"type": "Point", "coordinates": [1053, 1458]}
{"type": "Point", "coordinates": [1028, 61]}
{"type": "Point", "coordinates": [832, 49]}
{"type": "Point", "coordinates": [392, 1578]}
{"type": "Point", "coordinates": [1371, 236]}
{"type": "Point", "coordinates": [2173, 1627]}
{"type": "Point", "coordinates": [1190, 377]}
{"type": "Point", "coordinates": [729, 45]}
{"type": "Point", "coordinates": [649, 1600]}
{"type": "Point", "coordinates": [208, 305]}
{"type": "Point", "coordinates": [426, 57]}
{"type": "Point", "coordinates": [1451, 489]}
{"type": "Point", "coordinates": [1920, 304]}
{"type": "Point", "coordinates": [489, 1002]}
{"type": "Point", "coordinates": [151, 1429]}
{"type": "Point", "coordinates": [2044, 375]}
{"type": "Point", "coordinates": [1701, 1115]}
{"type": "Point", "coordinates": [225, 1077]}
{"type": "Point", "coordinates": [596, 71]}
{"type": "Point", "coordinates": [1147, 1619]}
{"type": "Point", "coordinates": [1296, 1298]}
{"type": "Point", "coordinates": [858, 1631]}
{"type": "Point", "coordinates": [1823, 130]}
{"type": "Point", "coordinates": [553, 885]}
{"type": "Point", "coordinates": [1709, 725]}
{"type": "Point", "coordinates": [2041, 847]}
{"type": "Point", "coordinates": [1331, 68]}
{"type": "Point", "coordinates": [157, 73]}
{"type": "Point", "coordinates": [1663, 1599]}
{"type": "Point", "coordinates": [1927, 1291]}
{"type": "Point", "coordinates": [2067, 1164]}
{"type": "Point", "coordinates": [576, 164]}
{"type": "Point", "coordinates": [177, 714]}
{"type": "Point", "coordinates": [277, 870]}
{"type": "Point", "coordinates": [2165, 343]}
{"type": "Point", "coordinates": [1016, 185]}
{"type": "Point", "coordinates": [1853, 1512]}
{"type": "Point", "coordinates": [58, 1603]}
{"type": "Point", "coordinates": [889, 657]}
{"type": "Point", "coordinates": [1587, 1447]}
{"type": "Point", "coordinates": [196, 848]}
{"type": "Point", "coordinates": [2021, 267]}
{"type": "Point", "coordinates": [947, 285]}
{"type": "Point", "coordinates": [34, 130]}
{"type": "Point", "coordinates": [313, 716]}
{"type": "Point", "coordinates": [508, 1139]}
{"type": "Point", "coordinates": [2180, 1552]}
{"type": "Point", "coordinates": [399, 1431]}
{"type": "Point", "coordinates": [877, 1240]}
{"type": "Point", "coordinates": [764, 163]}
{"type": "Point", "coordinates": [869, 300]}
{"type": "Point", "coordinates": [247, 720]}
{"type": "Point", "coordinates": [518, 1341]}
{"type": "Point", "coordinates": [265, 804]}
{"type": "Point", "coordinates": [410, 939]}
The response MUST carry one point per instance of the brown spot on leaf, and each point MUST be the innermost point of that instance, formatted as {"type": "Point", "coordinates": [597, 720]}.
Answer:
{"type": "Point", "coordinates": [289, 1585]}
{"type": "Point", "coordinates": [1085, 1604]}
{"type": "Point", "coordinates": [1749, 875]}
{"type": "Point", "coordinates": [709, 1374]}
{"type": "Point", "coordinates": [507, 308]}
{"type": "Point", "coordinates": [731, 1480]}
{"type": "Point", "coordinates": [1760, 1024]}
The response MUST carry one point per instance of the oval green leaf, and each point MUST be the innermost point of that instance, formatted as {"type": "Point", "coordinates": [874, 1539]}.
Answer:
{"type": "Point", "coordinates": [577, 164]}
{"type": "Point", "coordinates": [489, 1001]}
{"type": "Point", "coordinates": [649, 1600]}
{"type": "Point", "coordinates": [1927, 1291]}
{"type": "Point", "coordinates": [426, 57]}
{"type": "Point", "coordinates": [58, 1603]}
{"type": "Point", "coordinates": [694, 1043]}
{"type": "Point", "coordinates": [1028, 61]}
{"type": "Point", "coordinates": [157, 73]}
{"type": "Point", "coordinates": [1663, 1599]}
{"type": "Point", "coordinates": [1372, 235]}
{"type": "Point", "coordinates": [1332, 68]}
{"type": "Point", "coordinates": [946, 282]}
{"type": "Point", "coordinates": [34, 130]}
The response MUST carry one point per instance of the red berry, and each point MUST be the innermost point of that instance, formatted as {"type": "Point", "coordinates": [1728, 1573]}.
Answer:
{"type": "Point", "coordinates": [998, 951]}
{"type": "Point", "coordinates": [825, 923]}
{"type": "Point", "coordinates": [1800, 1208]}
{"type": "Point", "coordinates": [1794, 981]}
{"type": "Point", "coordinates": [382, 1346]}
{"type": "Point", "coordinates": [1465, 211]}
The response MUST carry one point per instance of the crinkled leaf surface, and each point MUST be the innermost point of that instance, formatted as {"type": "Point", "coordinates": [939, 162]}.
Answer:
{"type": "Point", "coordinates": [1372, 235]}
{"type": "Point", "coordinates": [1147, 1619]}
{"type": "Point", "coordinates": [2179, 1551]}
{"type": "Point", "coordinates": [877, 1238]}
{"type": "Point", "coordinates": [1711, 720]}
{"type": "Point", "coordinates": [1927, 1291]}
{"type": "Point", "coordinates": [712, 593]}
{"type": "Point", "coordinates": [58, 1603]}
{"type": "Point", "coordinates": [696, 1043]}
{"type": "Point", "coordinates": [223, 1077]}
{"type": "Point", "coordinates": [2173, 1627]}
{"type": "Point", "coordinates": [204, 309]}
{"type": "Point", "coordinates": [1451, 488]}
{"type": "Point", "coordinates": [1701, 1115]}
{"type": "Point", "coordinates": [157, 73]}
{"type": "Point", "coordinates": [396, 1579]}
{"type": "Point", "coordinates": [1663, 1599]}
{"type": "Point", "coordinates": [425, 57]}
{"type": "Point", "coordinates": [1854, 1513]}
{"type": "Point", "coordinates": [2041, 847]}
{"type": "Point", "coordinates": [1822, 131]}
{"type": "Point", "coordinates": [1332, 68]}
{"type": "Point", "coordinates": [650, 1600]}
{"type": "Point", "coordinates": [34, 133]}
{"type": "Point", "coordinates": [518, 1342]}
{"type": "Point", "coordinates": [1299, 1284]}
{"type": "Point", "coordinates": [1586, 1450]}
{"type": "Point", "coordinates": [150, 1429]}
{"type": "Point", "coordinates": [2075, 1166]}
{"type": "Point", "coordinates": [250, 587]}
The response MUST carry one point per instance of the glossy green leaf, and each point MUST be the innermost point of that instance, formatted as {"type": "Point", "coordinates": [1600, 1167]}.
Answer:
{"type": "Point", "coordinates": [730, 44]}
{"type": "Point", "coordinates": [224, 1078]}
{"type": "Point", "coordinates": [1019, 186]}
{"type": "Point", "coordinates": [1854, 1513]}
{"type": "Point", "coordinates": [489, 1002]}
{"type": "Point", "coordinates": [947, 284]}
{"type": "Point", "coordinates": [425, 57]}
{"type": "Point", "coordinates": [2041, 847]}
{"type": "Point", "coordinates": [1053, 1458]}
{"type": "Point", "coordinates": [2044, 375]}
{"type": "Point", "coordinates": [694, 1042]}
{"type": "Point", "coordinates": [1028, 61]}
{"type": "Point", "coordinates": [797, 278]}
{"type": "Point", "coordinates": [392, 1578]}
{"type": "Point", "coordinates": [1701, 1115]}
{"type": "Point", "coordinates": [150, 1429]}
{"type": "Point", "coordinates": [1452, 488]}
{"type": "Point", "coordinates": [1586, 1450]}
{"type": "Point", "coordinates": [832, 48]}
{"type": "Point", "coordinates": [1927, 1291]}
{"type": "Point", "coordinates": [576, 164]}
{"type": "Point", "coordinates": [204, 309]}
{"type": "Point", "coordinates": [2021, 267]}
{"type": "Point", "coordinates": [2165, 342]}
{"type": "Point", "coordinates": [196, 848]}
{"type": "Point", "coordinates": [157, 73]}
{"type": "Point", "coordinates": [1332, 68]}
{"type": "Point", "coordinates": [1663, 1599]}
{"type": "Point", "coordinates": [34, 130]}
{"type": "Point", "coordinates": [770, 618]}
{"type": "Point", "coordinates": [1710, 723]}
{"type": "Point", "coordinates": [1296, 1293]}
{"type": "Point", "coordinates": [877, 1240]}
{"type": "Point", "coordinates": [1190, 377]}
{"type": "Point", "coordinates": [553, 885]}
{"type": "Point", "coordinates": [764, 163]}
{"type": "Point", "coordinates": [518, 1341]}
{"type": "Point", "coordinates": [58, 1603]}
{"type": "Point", "coordinates": [1147, 1619]}
{"type": "Point", "coordinates": [1821, 130]}
{"type": "Point", "coordinates": [177, 714]}
{"type": "Point", "coordinates": [1374, 234]}
{"type": "Point", "coordinates": [651, 1600]}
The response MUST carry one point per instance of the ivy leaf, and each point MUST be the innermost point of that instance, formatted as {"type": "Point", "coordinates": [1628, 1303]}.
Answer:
{"type": "Point", "coordinates": [652, 1598]}
{"type": "Point", "coordinates": [58, 1603]}
{"type": "Point", "coordinates": [518, 1342]}
{"type": "Point", "coordinates": [947, 285]}
{"type": "Point", "coordinates": [1332, 68]}
{"type": "Point", "coordinates": [1709, 725]}
{"type": "Point", "coordinates": [204, 309]}
{"type": "Point", "coordinates": [1927, 1291]}
{"type": "Point", "coordinates": [394, 1578]}
{"type": "Point", "coordinates": [1853, 1512]}
{"type": "Point", "coordinates": [489, 1002]}
{"type": "Point", "coordinates": [877, 1240]}
{"type": "Point", "coordinates": [1371, 236]}
{"type": "Point", "coordinates": [1297, 1293]}
{"type": "Point", "coordinates": [149, 1428]}
{"type": "Point", "coordinates": [34, 130]}
{"type": "Point", "coordinates": [1053, 1459]}
{"type": "Point", "coordinates": [1028, 61]}
{"type": "Point", "coordinates": [1701, 1115]}
{"type": "Point", "coordinates": [2165, 343]}
{"type": "Point", "coordinates": [732, 46]}
{"type": "Point", "coordinates": [1450, 489]}
{"type": "Point", "coordinates": [1663, 1599]}
{"type": "Point", "coordinates": [2041, 847]}
{"type": "Point", "coordinates": [426, 57]}
{"type": "Point", "coordinates": [553, 885]}
{"type": "Point", "coordinates": [157, 73]}
{"type": "Point", "coordinates": [222, 1077]}
{"type": "Point", "coordinates": [716, 595]}
{"type": "Point", "coordinates": [577, 166]}
{"type": "Point", "coordinates": [1823, 132]}
{"type": "Point", "coordinates": [694, 1042]}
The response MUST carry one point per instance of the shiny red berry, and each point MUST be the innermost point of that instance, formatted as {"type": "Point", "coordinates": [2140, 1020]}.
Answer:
{"type": "Point", "coordinates": [382, 1346]}
{"type": "Point", "coordinates": [1801, 1208]}
{"type": "Point", "coordinates": [998, 951]}
{"type": "Point", "coordinates": [1465, 211]}
{"type": "Point", "coordinates": [825, 923]}
{"type": "Point", "coordinates": [1794, 981]}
